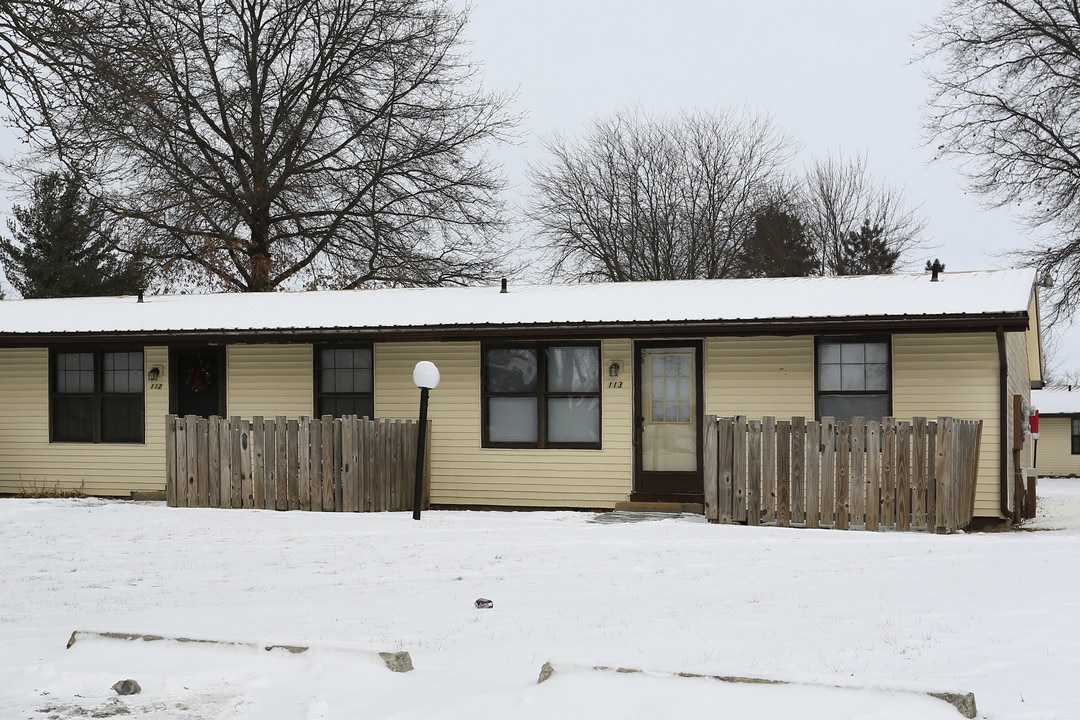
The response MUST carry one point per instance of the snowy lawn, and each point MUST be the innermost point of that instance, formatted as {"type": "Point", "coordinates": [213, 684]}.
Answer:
{"type": "Point", "coordinates": [878, 614]}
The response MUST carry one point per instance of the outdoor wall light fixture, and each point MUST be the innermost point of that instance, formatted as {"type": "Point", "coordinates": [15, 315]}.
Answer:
{"type": "Point", "coordinates": [154, 373]}
{"type": "Point", "coordinates": [426, 377]}
{"type": "Point", "coordinates": [613, 369]}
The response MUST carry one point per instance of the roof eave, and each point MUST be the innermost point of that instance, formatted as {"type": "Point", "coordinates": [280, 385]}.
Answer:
{"type": "Point", "coordinates": [692, 328]}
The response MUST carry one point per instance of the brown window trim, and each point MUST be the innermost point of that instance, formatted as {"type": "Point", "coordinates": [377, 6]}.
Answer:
{"type": "Point", "coordinates": [819, 340]}
{"type": "Point", "coordinates": [97, 395]}
{"type": "Point", "coordinates": [542, 395]}
{"type": "Point", "coordinates": [317, 395]}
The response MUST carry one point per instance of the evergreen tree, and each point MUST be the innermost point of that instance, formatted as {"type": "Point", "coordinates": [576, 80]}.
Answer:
{"type": "Point", "coordinates": [57, 247]}
{"type": "Point", "coordinates": [778, 247]}
{"type": "Point", "coordinates": [866, 252]}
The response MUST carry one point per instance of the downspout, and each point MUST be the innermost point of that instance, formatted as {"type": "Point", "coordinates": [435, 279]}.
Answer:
{"type": "Point", "coordinates": [1003, 411]}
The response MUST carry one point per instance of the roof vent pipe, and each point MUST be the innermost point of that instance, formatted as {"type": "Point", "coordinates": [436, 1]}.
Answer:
{"type": "Point", "coordinates": [140, 294]}
{"type": "Point", "coordinates": [503, 291]}
{"type": "Point", "coordinates": [934, 268]}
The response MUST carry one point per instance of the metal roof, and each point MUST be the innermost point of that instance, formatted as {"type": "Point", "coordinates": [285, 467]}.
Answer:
{"type": "Point", "coordinates": [987, 296]}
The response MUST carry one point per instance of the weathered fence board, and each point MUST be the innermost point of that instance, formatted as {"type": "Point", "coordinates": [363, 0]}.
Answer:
{"type": "Point", "coordinates": [813, 474]}
{"type": "Point", "coordinates": [903, 476]}
{"type": "Point", "coordinates": [828, 467]}
{"type": "Point", "coordinates": [725, 429]}
{"type": "Point", "coordinates": [753, 495]}
{"type": "Point", "coordinates": [711, 460]}
{"type": "Point", "coordinates": [321, 464]}
{"type": "Point", "coordinates": [258, 461]}
{"type": "Point", "coordinates": [798, 467]}
{"type": "Point", "coordinates": [873, 475]}
{"type": "Point", "coordinates": [768, 474]}
{"type": "Point", "coordinates": [739, 472]}
{"type": "Point", "coordinates": [891, 473]}
{"type": "Point", "coordinates": [783, 473]}
{"type": "Point", "coordinates": [857, 508]}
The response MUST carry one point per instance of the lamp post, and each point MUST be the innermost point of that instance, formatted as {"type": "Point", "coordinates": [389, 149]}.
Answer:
{"type": "Point", "coordinates": [426, 376]}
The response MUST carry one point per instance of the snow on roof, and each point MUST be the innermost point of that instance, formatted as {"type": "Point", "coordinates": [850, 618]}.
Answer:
{"type": "Point", "coordinates": [878, 296]}
{"type": "Point", "coordinates": [1057, 400]}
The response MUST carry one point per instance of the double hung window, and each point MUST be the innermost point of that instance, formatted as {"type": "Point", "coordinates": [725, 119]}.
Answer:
{"type": "Point", "coordinates": [542, 396]}
{"type": "Point", "coordinates": [344, 381]}
{"type": "Point", "coordinates": [1075, 435]}
{"type": "Point", "coordinates": [97, 397]}
{"type": "Point", "coordinates": [853, 378]}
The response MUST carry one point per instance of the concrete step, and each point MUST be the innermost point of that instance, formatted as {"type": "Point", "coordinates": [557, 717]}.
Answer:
{"type": "Point", "coordinates": [660, 507]}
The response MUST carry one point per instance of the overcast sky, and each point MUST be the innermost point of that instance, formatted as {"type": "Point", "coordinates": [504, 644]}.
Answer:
{"type": "Point", "coordinates": [840, 76]}
{"type": "Point", "coordinates": [837, 75]}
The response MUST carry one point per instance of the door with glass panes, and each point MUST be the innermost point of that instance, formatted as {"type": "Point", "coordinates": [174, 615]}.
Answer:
{"type": "Point", "coordinates": [667, 405]}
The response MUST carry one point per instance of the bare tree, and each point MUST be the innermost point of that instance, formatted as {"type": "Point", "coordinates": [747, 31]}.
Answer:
{"type": "Point", "coordinates": [656, 198]}
{"type": "Point", "coordinates": [1006, 77]}
{"type": "Point", "coordinates": [838, 198]}
{"type": "Point", "coordinates": [269, 143]}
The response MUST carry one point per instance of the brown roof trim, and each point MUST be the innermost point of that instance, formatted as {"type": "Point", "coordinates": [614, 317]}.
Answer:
{"type": "Point", "coordinates": [710, 328]}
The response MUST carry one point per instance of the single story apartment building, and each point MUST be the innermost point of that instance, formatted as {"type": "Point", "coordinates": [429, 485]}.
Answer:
{"type": "Point", "coordinates": [552, 396]}
{"type": "Point", "coordinates": [1057, 449]}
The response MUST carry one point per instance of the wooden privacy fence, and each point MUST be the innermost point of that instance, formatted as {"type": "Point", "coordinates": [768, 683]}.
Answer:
{"type": "Point", "coordinates": [323, 464]}
{"type": "Point", "coordinates": [889, 473]}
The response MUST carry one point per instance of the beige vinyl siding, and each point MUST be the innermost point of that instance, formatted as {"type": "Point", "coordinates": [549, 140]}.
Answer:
{"type": "Point", "coordinates": [958, 376]}
{"type": "Point", "coordinates": [270, 380]}
{"type": "Point", "coordinates": [28, 461]}
{"type": "Point", "coordinates": [1055, 448]}
{"type": "Point", "coordinates": [757, 376]}
{"type": "Point", "coordinates": [464, 473]}
{"type": "Point", "coordinates": [1019, 383]}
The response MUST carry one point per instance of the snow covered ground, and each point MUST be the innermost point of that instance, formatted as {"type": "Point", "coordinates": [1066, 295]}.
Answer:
{"type": "Point", "coordinates": [877, 614]}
